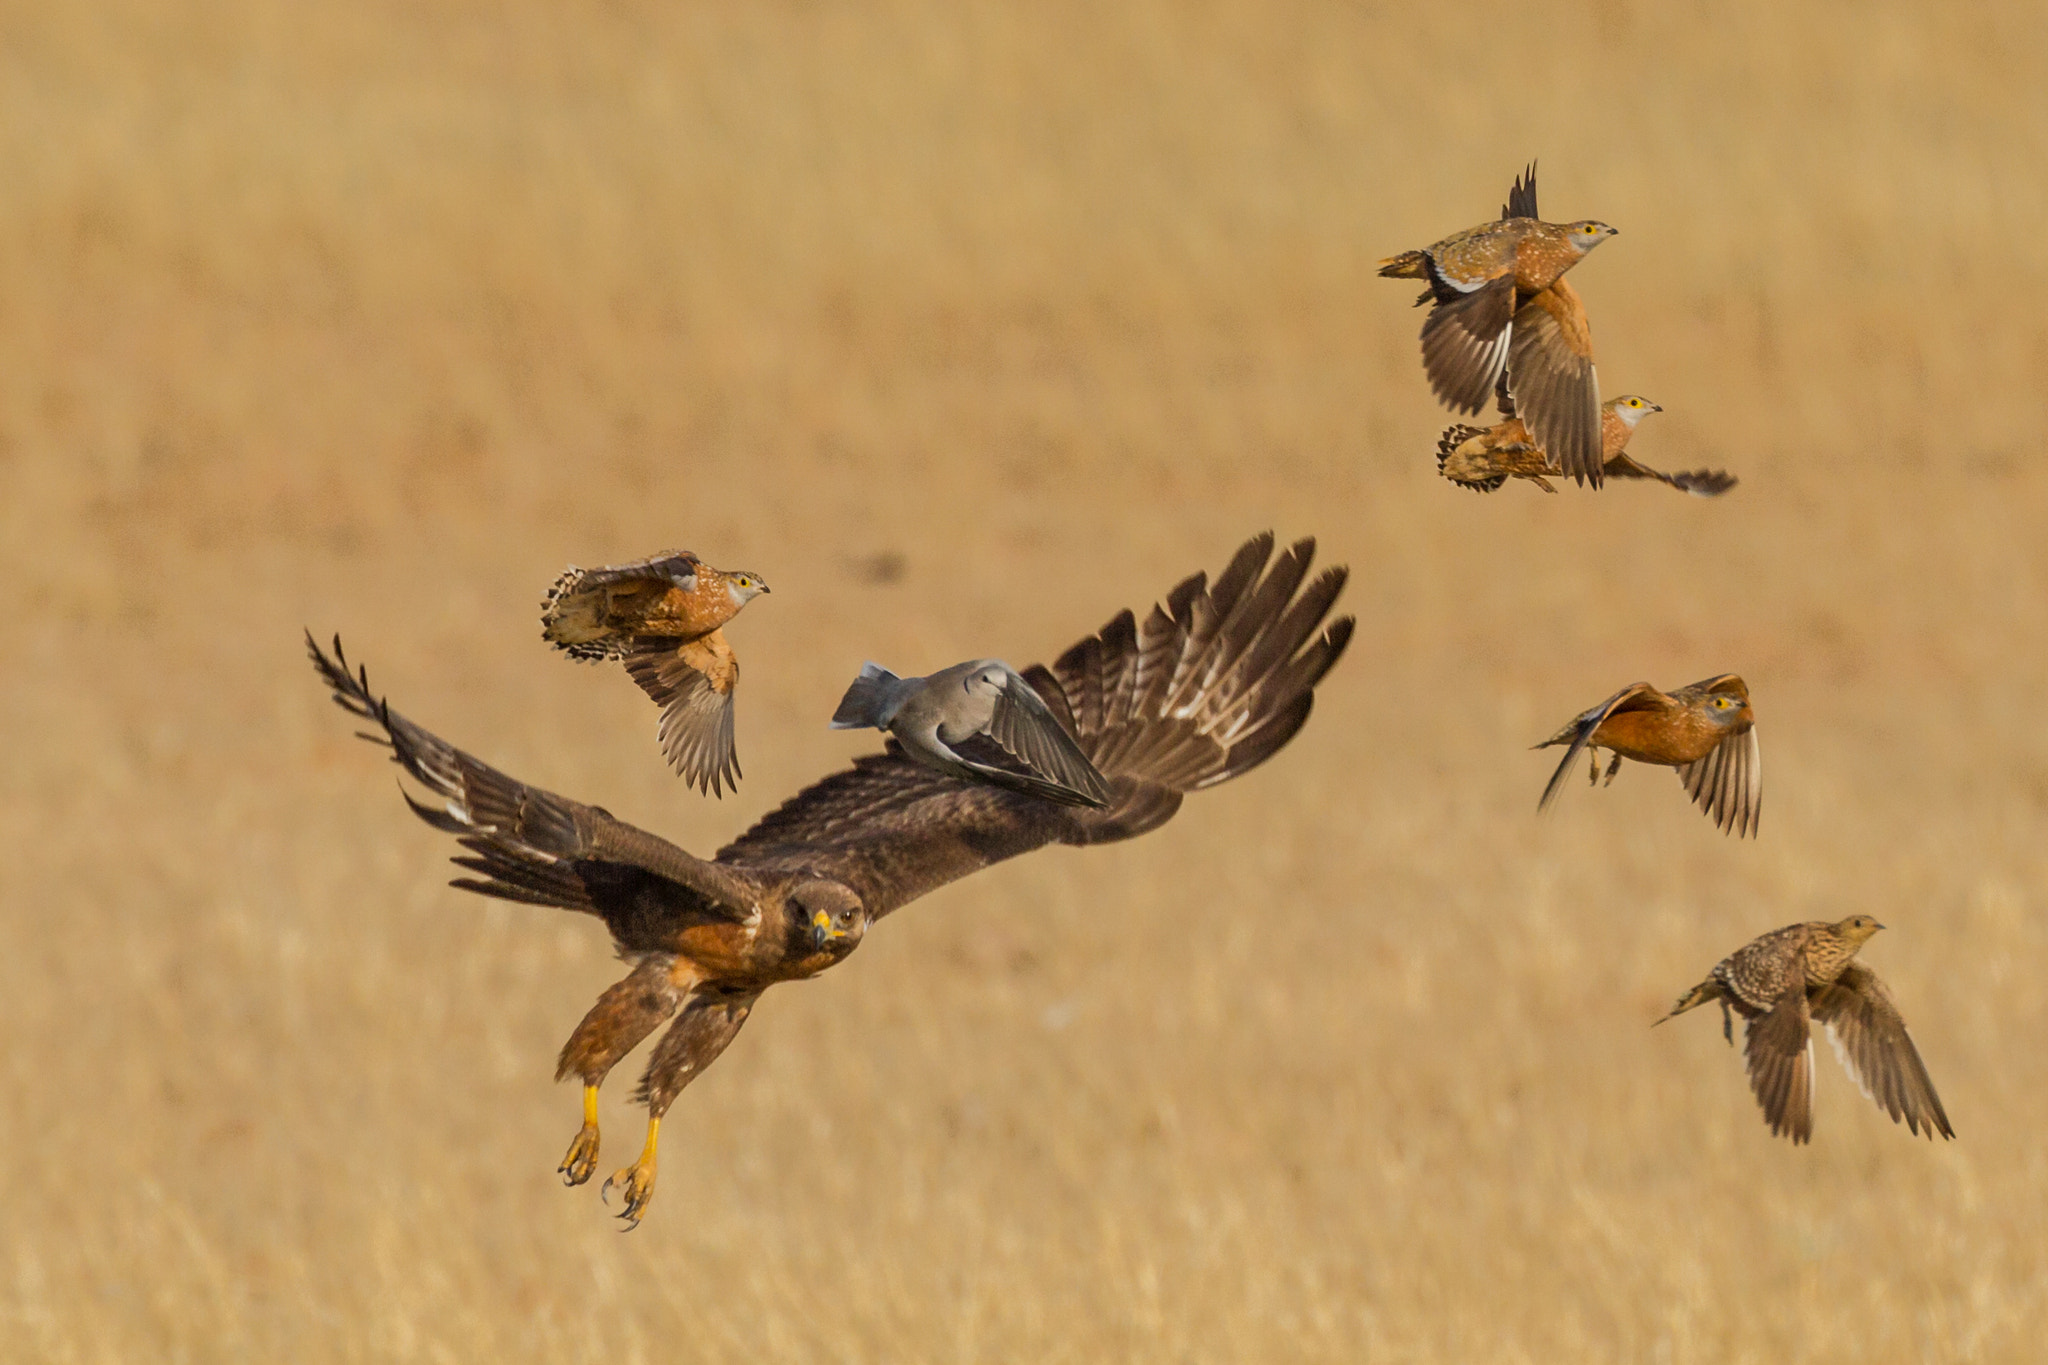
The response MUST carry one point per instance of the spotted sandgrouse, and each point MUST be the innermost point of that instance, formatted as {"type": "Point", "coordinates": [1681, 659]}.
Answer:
{"type": "Point", "coordinates": [1804, 972]}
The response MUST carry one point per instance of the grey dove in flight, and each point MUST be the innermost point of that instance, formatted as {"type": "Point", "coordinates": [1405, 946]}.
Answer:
{"type": "Point", "coordinates": [979, 720]}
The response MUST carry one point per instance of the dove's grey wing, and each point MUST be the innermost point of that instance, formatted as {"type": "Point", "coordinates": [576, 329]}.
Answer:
{"type": "Point", "coordinates": [990, 762]}
{"type": "Point", "coordinates": [1871, 1039]}
{"type": "Point", "coordinates": [1029, 732]}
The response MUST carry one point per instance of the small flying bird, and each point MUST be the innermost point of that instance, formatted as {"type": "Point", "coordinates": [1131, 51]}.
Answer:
{"type": "Point", "coordinates": [1484, 458]}
{"type": "Point", "coordinates": [661, 618]}
{"type": "Point", "coordinates": [978, 720]}
{"type": "Point", "coordinates": [1208, 685]}
{"type": "Point", "coordinates": [1801, 972]}
{"type": "Point", "coordinates": [1705, 730]}
{"type": "Point", "coordinates": [1502, 308]}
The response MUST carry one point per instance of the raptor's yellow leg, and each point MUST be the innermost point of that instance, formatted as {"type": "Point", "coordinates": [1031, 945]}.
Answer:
{"type": "Point", "coordinates": [637, 1180]}
{"type": "Point", "coordinates": [581, 1159]}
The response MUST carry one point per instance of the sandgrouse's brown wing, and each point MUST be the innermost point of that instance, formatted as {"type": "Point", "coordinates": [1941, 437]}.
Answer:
{"type": "Point", "coordinates": [693, 684]}
{"type": "Point", "coordinates": [1466, 341]}
{"type": "Point", "coordinates": [530, 845]}
{"type": "Point", "coordinates": [1626, 466]}
{"type": "Point", "coordinates": [1213, 683]}
{"type": "Point", "coordinates": [597, 613]}
{"type": "Point", "coordinates": [1872, 1042]}
{"type": "Point", "coordinates": [1578, 732]}
{"type": "Point", "coordinates": [1779, 1047]}
{"type": "Point", "coordinates": [1550, 372]}
{"type": "Point", "coordinates": [1728, 784]}
{"type": "Point", "coordinates": [1701, 483]}
{"type": "Point", "coordinates": [1522, 196]}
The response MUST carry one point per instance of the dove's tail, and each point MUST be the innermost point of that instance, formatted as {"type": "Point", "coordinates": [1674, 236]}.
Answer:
{"type": "Point", "coordinates": [866, 697]}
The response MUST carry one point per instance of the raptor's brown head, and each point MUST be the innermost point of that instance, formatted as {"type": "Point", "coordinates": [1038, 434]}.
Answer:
{"type": "Point", "coordinates": [830, 915]}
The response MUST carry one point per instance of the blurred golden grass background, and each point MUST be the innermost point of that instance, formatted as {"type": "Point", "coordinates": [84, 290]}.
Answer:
{"type": "Point", "coordinates": [372, 317]}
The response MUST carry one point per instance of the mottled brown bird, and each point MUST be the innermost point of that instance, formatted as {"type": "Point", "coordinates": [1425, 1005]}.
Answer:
{"type": "Point", "coordinates": [1705, 730]}
{"type": "Point", "coordinates": [1501, 306]}
{"type": "Point", "coordinates": [1484, 458]}
{"type": "Point", "coordinates": [1209, 685]}
{"type": "Point", "coordinates": [661, 618]}
{"type": "Point", "coordinates": [1801, 972]}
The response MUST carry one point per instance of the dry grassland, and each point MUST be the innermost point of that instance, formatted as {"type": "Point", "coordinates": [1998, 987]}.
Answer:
{"type": "Point", "coordinates": [371, 317]}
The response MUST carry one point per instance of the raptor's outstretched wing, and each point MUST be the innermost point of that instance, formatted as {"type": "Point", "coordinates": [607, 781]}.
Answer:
{"type": "Point", "coordinates": [530, 845]}
{"type": "Point", "coordinates": [1217, 678]}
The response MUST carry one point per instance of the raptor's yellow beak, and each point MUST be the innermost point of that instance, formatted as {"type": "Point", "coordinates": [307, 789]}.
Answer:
{"type": "Point", "coordinates": [821, 928]}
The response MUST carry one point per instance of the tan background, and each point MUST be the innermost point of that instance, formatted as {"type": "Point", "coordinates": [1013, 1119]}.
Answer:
{"type": "Point", "coordinates": [370, 318]}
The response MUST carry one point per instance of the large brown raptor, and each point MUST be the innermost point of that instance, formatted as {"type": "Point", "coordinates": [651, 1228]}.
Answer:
{"type": "Point", "coordinates": [1206, 686]}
